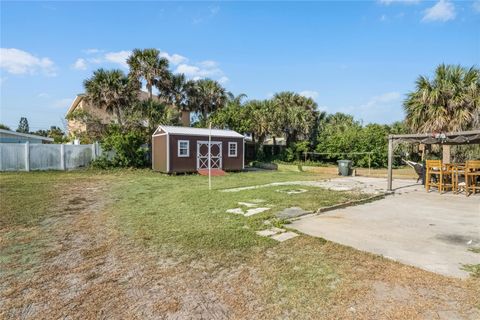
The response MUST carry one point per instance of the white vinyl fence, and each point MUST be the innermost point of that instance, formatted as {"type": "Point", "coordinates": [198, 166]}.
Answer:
{"type": "Point", "coordinates": [26, 156]}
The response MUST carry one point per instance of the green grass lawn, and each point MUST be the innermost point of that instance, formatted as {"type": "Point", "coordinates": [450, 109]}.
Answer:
{"type": "Point", "coordinates": [126, 214]}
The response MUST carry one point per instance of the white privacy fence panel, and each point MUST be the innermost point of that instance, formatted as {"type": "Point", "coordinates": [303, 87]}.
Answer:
{"type": "Point", "coordinates": [77, 156]}
{"type": "Point", "coordinates": [45, 157]}
{"type": "Point", "coordinates": [12, 156]}
{"type": "Point", "coordinates": [26, 156]}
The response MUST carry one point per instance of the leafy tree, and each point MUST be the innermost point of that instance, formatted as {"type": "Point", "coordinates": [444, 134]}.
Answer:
{"type": "Point", "coordinates": [4, 127]}
{"type": "Point", "coordinates": [95, 127]}
{"type": "Point", "coordinates": [112, 91]}
{"type": "Point", "coordinates": [57, 134]}
{"type": "Point", "coordinates": [449, 102]}
{"type": "Point", "coordinates": [147, 65]}
{"type": "Point", "coordinates": [205, 96]}
{"type": "Point", "coordinates": [234, 116]}
{"type": "Point", "coordinates": [147, 115]}
{"type": "Point", "coordinates": [54, 132]}
{"type": "Point", "coordinates": [23, 126]}
{"type": "Point", "coordinates": [128, 146]}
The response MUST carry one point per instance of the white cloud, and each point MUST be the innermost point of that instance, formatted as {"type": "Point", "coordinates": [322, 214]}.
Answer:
{"type": "Point", "coordinates": [388, 2]}
{"type": "Point", "coordinates": [383, 108]}
{"type": "Point", "coordinates": [92, 51]}
{"type": "Point", "coordinates": [62, 103]}
{"type": "Point", "coordinates": [383, 17]}
{"type": "Point", "coordinates": [208, 64]}
{"type": "Point", "coordinates": [476, 6]}
{"type": "Point", "coordinates": [204, 69]}
{"type": "Point", "coordinates": [80, 64]}
{"type": "Point", "coordinates": [43, 95]}
{"type": "Point", "coordinates": [443, 10]}
{"type": "Point", "coordinates": [16, 61]}
{"type": "Point", "coordinates": [194, 70]}
{"type": "Point", "coordinates": [309, 94]}
{"type": "Point", "coordinates": [174, 59]}
{"type": "Point", "coordinates": [223, 80]}
{"type": "Point", "coordinates": [119, 57]}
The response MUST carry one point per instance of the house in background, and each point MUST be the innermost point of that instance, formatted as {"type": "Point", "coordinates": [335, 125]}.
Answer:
{"type": "Point", "coordinates": [75, 126]}
{"type": "Point", "coordinates": [185, 149]}
{"type": "Point", "coordinates": [7, 136]}
{"type": "Point", "coordinates": [79, 104]}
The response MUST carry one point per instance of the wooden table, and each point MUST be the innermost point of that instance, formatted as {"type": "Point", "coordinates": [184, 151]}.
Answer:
{"type": "Point", "coordinates": [458, 170]}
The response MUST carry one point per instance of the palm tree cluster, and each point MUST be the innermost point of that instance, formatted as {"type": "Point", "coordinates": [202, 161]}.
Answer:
{"type": "Point", "coordinates": [118, 93]}
{"type": "Point", "coordinates": [449, 102]}
{"type": "Point", "coordinates": [287, 114]}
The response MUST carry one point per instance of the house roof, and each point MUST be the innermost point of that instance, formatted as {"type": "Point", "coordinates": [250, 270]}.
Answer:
{"type": "Point", "coordinates": [26, 135]}
{"type": "Point", "coordinates": [189, 131]}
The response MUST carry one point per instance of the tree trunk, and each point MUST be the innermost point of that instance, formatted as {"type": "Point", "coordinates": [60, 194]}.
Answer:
{"type": "Point", "coordinates": [274, 145]}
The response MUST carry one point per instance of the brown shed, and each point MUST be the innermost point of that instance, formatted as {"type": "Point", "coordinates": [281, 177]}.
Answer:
{"type": "Point", "coordinates": [185, 149]}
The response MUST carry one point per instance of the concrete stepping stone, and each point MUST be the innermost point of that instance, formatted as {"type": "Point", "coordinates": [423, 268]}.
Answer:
{"type": "Point", "coordinates": [251, 212]}
{"type": "Point", "coordinates": [270, 232]}
{"type": "Point", "coordinates": [247, 204]}
{"type": "Point", "coordinates": [236, 211]}
{"type": "Point", "coordinates": [293, 191]}
{"type": "Point", "coordinates": [284, 236]}
{"type": "Point", "coordinates": [292, 212]}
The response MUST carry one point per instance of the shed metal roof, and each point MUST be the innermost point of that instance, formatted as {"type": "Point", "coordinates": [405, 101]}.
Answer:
{"type": "Point", "coordinates": [189, 131]}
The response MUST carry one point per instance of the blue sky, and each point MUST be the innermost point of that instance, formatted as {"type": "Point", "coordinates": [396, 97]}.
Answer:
{"type": "Point", "coordinates": [359, 57]}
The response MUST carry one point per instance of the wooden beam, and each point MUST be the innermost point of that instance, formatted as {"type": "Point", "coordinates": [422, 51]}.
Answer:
{"type": "Point", "coordinates": [390, 165]}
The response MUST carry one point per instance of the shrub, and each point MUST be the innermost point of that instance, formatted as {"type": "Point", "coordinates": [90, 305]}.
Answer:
{"type": "Point", "coordinates": [129, 149]}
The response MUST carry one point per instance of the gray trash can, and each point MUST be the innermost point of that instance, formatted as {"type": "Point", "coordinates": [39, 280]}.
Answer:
{"type": "Point", "coordinates": [345, 167]}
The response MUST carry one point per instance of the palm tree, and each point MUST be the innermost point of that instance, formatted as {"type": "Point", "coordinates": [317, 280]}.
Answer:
{"type": "Point", "coordinates": [236, 99]}
{"type": "Point", "coordinates": [149, 114]}
{"type": "Point", "coordinates": [147, 64]}
{"type": "Point", "coordinates": [294, 115]}
{"type": "Point", "coordinates": [449, 102]}
{"type": "Point", "coordinates": [205, 96]}
{"type": "Point", "coordinates": [111, 90]}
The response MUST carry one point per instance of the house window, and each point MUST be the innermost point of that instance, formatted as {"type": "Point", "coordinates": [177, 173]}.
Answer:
{"type": "Point", "coordinates": [183, 148]}
{"type": "Point", "coordinates": [232, 149]}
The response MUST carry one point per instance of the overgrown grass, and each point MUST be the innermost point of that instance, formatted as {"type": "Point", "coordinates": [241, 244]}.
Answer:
{"type": "Point", "coordinates": [473, 269]}
{"type": "Point", "coordinates": [179, 212]}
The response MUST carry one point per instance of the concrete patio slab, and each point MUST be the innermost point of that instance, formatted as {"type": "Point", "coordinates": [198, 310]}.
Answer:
{"type": "Point", "coordinates": [292, 212]}
{"type": "Point", "coordinates": [431, 231]}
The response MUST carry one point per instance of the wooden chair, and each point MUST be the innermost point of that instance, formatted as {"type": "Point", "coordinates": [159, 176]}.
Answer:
{"type": "Point", "coordinates": [472, 173]}
{"type": "Point", "coordinates": [436, 170]}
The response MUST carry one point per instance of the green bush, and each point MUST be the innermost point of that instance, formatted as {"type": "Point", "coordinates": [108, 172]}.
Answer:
{"type": "Point", "coordinates": [129, 149]}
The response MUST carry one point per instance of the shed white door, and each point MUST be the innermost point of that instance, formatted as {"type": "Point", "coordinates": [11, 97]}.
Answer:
{"type": "Point", "coordinates": [202, 154]}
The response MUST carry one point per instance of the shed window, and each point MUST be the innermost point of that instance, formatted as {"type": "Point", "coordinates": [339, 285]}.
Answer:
{"type": "Point", "coordinates": [183, 148]}
{"type": "Point", "coordinates": [232, 149]}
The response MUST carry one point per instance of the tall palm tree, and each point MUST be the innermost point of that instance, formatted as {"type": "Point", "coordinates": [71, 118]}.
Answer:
{"type": "Point", "coordinates": [294, 115]}
{"type": "Point", "coordinates": [206, 96]}
{"type": "Point", "coordinates": [449, 102]}
{"type": "Point", "coordinates": [147, 65]}
{"type": "Point", "coordinates": [112, 91]}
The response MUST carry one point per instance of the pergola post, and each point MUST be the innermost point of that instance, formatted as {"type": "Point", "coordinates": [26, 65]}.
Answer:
{"type": "Point", "coordinates": [390, 164]}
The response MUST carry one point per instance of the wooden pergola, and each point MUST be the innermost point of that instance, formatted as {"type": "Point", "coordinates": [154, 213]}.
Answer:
{"type": "Point", "coordinates": [452, 138]}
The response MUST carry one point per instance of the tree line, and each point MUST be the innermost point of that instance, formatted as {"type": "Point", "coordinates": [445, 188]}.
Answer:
{"type": "Point", "coordinates": [449, 101]}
